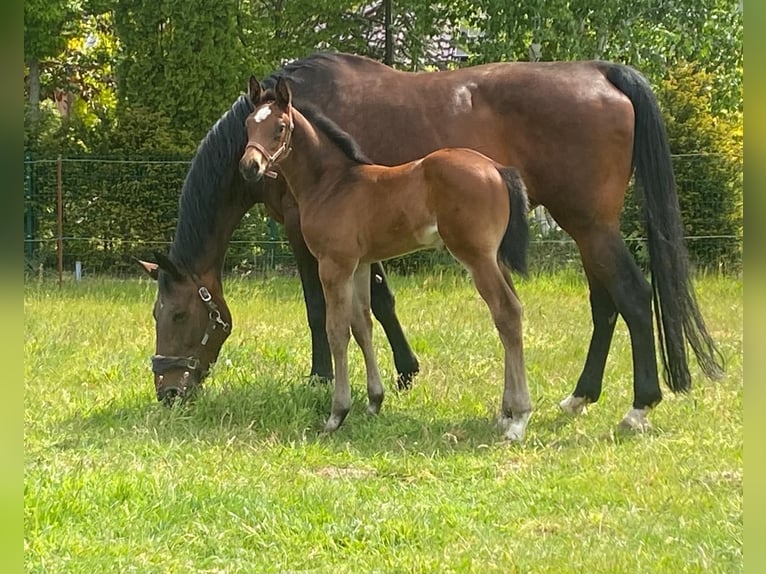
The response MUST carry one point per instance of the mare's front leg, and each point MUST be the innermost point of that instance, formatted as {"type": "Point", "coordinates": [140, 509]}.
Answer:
{"type": "Point", "coordinates": [321, 361]}
{"type": "Point", "coordinates": [361, 328]}
{"type": "Point", "coordinates": [384, 307]}
{"type": "Point", "coordinates": [338, 286]}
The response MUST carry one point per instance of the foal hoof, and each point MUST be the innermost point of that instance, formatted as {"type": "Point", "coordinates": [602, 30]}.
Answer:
{"type": "Point", "coordinates": [635, 421]}
{"type": "Point", "coordinates": [334, 422]}
{"type": "Point", "coordinates": [373, 408]}
{"type": "Point", "coordinates": [573, 405]}
{"type": "Point", "coordinates": [515, 427]}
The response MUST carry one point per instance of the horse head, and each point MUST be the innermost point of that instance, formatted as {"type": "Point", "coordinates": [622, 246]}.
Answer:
{"type": "Point", "coordinates": [192, 321]}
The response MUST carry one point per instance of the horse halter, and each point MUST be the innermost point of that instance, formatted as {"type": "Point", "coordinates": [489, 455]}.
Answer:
{"type": "Point", "coordinates": [284, 147]}
{"type": "Point", "coordinates": [161, 364]}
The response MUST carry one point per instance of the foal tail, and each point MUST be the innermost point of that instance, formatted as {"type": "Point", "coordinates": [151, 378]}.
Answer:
{"type": "Point", "coordinates": [515, 243]}
{"type": "Point", "coordinates": [675, 307]}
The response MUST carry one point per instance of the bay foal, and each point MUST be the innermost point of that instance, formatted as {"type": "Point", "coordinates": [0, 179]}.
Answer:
{"type": "Point", "coordinates": [354, 213]}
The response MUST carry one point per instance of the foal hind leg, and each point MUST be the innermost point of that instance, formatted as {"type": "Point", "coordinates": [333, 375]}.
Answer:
{"type": "Point", "coordinates": [496, 288]}
{"type": "Point", "coordinates": [361, 328]}
{"type": "Point", "coordinates": [609, 260]}
{"type": "Point", "coordinates": [604, 317]}
{"type": "Point", "coordinates": [338, 287]}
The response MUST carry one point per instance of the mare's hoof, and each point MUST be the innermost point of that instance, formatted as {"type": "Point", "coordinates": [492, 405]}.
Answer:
{"type": "Point", "coordinates": [315, 379]}
{"type": "Point", "coordinates": [404, 380]}
{"type": "Point", "coordinates": [574, 405]}
{"type": "Point", "coordinates": [635, 421]}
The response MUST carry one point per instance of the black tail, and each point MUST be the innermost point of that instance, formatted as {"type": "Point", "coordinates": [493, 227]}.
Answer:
{"type": "Point", "coordinates": [675, 307]}
{"type": "Point", "coordinates": [515, 243]}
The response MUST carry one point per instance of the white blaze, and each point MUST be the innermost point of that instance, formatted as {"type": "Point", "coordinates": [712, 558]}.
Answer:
{"type": "Point", "coordinates": [262, 114]}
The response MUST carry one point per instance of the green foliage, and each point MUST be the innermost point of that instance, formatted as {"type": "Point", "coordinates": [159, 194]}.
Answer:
{"type": "Point", "coordinates": [182, 58]}
{"type": "Point", "coordinates": [709, 171]}
{"type": "Point", "coordinates": [113, 210]}
{"type": "Point", "coordinates": [47, 26]}
{"type": "Point", "coordinates": [652, 35]}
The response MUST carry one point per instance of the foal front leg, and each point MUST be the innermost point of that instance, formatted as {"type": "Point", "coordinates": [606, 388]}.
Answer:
{"type": "Point", "coordinates": [338, 286]}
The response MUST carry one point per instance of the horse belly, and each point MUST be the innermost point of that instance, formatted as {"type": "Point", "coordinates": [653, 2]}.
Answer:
{"type": "Point", "coordinates": [428, 237]}
{"type": "Point", "coordinates": [398, 242]}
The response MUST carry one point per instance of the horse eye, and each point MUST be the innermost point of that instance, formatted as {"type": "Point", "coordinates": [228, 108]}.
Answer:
{"type": "Point", "coordinates": [280, 129]}
{"type": "Point", "coordinates": [179, 317]}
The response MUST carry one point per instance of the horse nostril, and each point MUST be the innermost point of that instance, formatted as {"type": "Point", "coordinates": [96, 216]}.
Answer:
{"type": "Point", "coordinates": [168, 395]}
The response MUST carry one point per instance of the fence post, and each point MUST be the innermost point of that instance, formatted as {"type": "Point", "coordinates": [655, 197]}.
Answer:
{"type": "Point", "coordinates": [29, 222]}
{"type": "Point", "coordinates": [60, 218]}
{"type": "Point", "coordinates": [272, 244]}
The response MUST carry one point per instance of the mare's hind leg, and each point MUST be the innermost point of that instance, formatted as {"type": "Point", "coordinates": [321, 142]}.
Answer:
{"type": "Point", "coordinates": [384, 308]}
{"type": "Point", "coordinates": [338, 286]}
{"type": "Point", "coordinates": [608, 260]}
{"type": "Point", "coordinates": [604, 317]}
{"type": "Point", "coordinates": [361, 328]}
{"type": "Point", "coordinates": [496, 289]}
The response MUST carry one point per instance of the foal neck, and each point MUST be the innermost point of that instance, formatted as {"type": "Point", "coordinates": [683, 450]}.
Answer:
{"type": "Point", "coordinates": [313, 160]}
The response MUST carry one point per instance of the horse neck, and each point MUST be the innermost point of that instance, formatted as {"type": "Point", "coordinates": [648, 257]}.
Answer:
{"type": "Point", "coordinates": [205, 255]}
{"type": "Point", "coordinates": [313, 159]}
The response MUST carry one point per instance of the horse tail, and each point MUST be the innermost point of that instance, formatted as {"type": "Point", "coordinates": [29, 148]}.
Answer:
{"type": "Point", "coordinates": [515, 242]}
{"type": "Point", "coordinates": [676, 311]}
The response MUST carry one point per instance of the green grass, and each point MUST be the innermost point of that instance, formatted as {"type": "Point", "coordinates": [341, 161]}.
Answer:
{"type": "Point", "coordinates": [243, 481]}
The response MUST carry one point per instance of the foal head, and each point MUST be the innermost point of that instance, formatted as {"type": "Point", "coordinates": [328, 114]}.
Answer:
{"type": "Point", "coordinates": [269, 130]}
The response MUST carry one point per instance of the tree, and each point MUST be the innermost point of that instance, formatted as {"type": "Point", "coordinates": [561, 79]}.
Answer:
{"type": "Point", "coordinates": [47, 26]}
{"type": "Point", "coordinates": [652, 35]}
{"type": "Point", "coordinates": [180, 58]}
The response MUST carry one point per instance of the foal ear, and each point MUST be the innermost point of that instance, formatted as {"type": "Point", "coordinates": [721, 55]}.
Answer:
{"type": "Point", "coordinates": [164, 263]}
{"type": "Point", "coordinates": [149, 267]}
{"type": "Point", "coordinates": [283, 93]}
{"type": "Point", "coordinates": [254, 91]}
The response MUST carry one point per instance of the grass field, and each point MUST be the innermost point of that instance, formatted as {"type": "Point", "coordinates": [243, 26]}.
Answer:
{"type": "Point", "coordinates": [243, 481]}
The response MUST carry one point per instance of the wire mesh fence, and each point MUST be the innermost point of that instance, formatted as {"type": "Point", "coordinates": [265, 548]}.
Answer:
{"type": "Point", "coordinates": [95, 215]}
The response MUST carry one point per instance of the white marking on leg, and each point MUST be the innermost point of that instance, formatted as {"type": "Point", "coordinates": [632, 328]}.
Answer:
{"type": "Point", "coordinates": [574, 405]}
{"type": "Point", "coordinates": [515, 426]}
{"type": "Point", "coordinates": [636, 420]}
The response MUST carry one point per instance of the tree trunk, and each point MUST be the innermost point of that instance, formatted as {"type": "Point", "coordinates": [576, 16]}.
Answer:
{"type": "Point", "coordinates": [33, 89]}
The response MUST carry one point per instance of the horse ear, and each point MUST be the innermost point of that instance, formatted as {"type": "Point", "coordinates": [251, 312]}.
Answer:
{"type": "Point", "coordinates": [149, 267]}
{"type": "Point", "coordinates": [164, 263]}
{"type": "Point", "coordinates": [283, 93]}
{"type": "Point", "coordinates": [254, 91]}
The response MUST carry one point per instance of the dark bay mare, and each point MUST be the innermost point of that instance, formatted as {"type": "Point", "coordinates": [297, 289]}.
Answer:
{"type": "Point", "coordinates": [576, 131]}
{"type": "Point", "coordinates": [354, 213]}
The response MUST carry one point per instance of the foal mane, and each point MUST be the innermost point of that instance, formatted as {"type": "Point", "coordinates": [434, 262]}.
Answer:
{"type": "Point", "coordinates": [203, 193]}
{"type": "Point", "coordinates": [337, 135]}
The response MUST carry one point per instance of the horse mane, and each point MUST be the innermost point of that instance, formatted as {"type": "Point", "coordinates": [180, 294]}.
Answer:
{"type": "Point", "coordinates": [211, 171]}
{"type": "Point", "coordinates": [337, 135]}
{"type": "Point", "coordinates": [214, 164]}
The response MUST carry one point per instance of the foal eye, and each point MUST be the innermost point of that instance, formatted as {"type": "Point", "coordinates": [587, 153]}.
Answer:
{"type": "Point", "coordinates": [280, 129]}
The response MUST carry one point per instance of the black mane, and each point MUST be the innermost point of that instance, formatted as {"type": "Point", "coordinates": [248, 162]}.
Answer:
{"type": "Point", "coordinates": [211, 172]}
{"type": "Point", "coordinates": [206, 189]}
{"type": "Point", "coordinates": [335, 133]}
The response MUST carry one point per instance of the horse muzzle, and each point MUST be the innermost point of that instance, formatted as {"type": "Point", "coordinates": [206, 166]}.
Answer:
{"type": "Point", "coordinates": [175, 378]}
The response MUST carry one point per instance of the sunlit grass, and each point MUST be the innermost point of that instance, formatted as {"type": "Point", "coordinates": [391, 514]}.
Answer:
{"type": "Point", "coordinates": [243, 481]}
